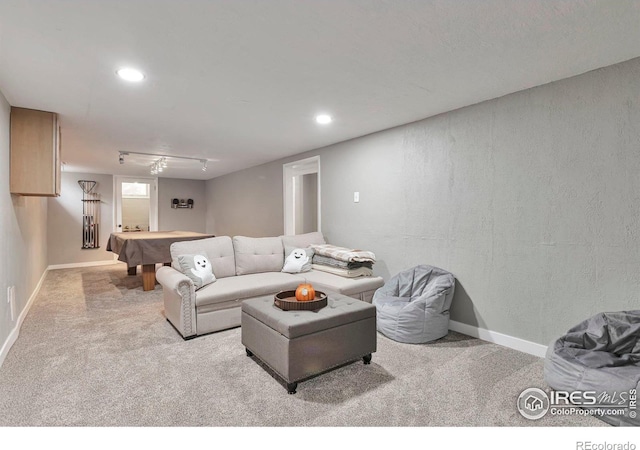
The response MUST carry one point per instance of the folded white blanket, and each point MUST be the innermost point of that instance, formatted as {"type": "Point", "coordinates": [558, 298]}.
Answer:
{"type": "Point", "coordinates": [347, 273]}
{"type": "Point", "coordinates": [342, 253]}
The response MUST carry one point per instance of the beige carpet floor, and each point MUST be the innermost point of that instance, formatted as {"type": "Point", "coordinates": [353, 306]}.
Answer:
{"type": "Point", "coordinates": [96, 350]}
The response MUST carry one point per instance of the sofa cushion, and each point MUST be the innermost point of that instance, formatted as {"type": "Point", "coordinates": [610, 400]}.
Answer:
{"type": "Point", "coordinates": [291, 242]}
{"type": "Point", "coordinates": [347, 286]}
{"type": "Point", "coordinates": [198, 268]}
{"type": "Point", "coordinates": [258, 255]}
{"type": "Point", "coordinates": [247, 286]}
{"type": "Point", "coordinates": [218, 250]}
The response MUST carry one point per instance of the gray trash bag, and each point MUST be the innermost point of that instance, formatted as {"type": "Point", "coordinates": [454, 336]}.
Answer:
{"type": "Point", "coordinates": [413, 306]}
{"type": "Point", "coordinates": [601, 354]}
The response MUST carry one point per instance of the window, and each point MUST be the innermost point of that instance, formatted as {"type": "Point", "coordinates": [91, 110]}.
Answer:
{"type": "Point", "coordinates": [135, 190]}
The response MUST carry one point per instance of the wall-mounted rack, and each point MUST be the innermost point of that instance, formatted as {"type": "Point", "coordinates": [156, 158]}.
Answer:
{"type": "Point", "coordinates": [90, 215]}
{"type": "Point", "coordinates": [181, 203]}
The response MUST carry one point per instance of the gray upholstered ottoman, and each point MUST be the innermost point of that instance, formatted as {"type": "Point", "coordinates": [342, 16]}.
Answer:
{"type": "Point", "coordinates": [299, 344]}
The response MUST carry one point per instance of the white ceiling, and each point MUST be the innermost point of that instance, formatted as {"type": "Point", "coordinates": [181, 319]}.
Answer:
{"type": "Point", "coordinates": [240, 81]}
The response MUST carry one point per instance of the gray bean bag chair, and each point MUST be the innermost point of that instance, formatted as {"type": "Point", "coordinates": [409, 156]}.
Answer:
{"type": "Point", "coordinates": [413, 306]}
{"type": "Point", "coordinates": [601, 354]}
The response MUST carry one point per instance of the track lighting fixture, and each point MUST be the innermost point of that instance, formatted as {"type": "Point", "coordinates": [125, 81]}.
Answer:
{"type": "Point", "coordinates": [162, 162]}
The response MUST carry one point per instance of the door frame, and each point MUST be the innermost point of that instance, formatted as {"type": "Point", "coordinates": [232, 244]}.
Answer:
{"type": "Point", "coordinates": [117, 199]}
{"type": "Point", "coordinates": [290, 170]}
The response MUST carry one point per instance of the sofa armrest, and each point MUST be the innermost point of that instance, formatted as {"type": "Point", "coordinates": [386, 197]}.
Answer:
{"type": "Point", "coordinates": [179, 294]}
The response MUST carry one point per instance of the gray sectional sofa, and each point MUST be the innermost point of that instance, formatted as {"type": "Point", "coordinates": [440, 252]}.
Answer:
{"type": "Point", "coordinates": [244, 268]}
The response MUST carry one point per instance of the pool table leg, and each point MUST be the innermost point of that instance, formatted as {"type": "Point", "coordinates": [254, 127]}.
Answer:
{"type": "Point", "coordinates": [132, 270]}
{"type": "Point", "coordinates": [148, 277]}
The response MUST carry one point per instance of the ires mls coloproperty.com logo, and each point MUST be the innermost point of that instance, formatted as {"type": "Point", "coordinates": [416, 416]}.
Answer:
{"type": "Point", "coordinates": [534, 403]}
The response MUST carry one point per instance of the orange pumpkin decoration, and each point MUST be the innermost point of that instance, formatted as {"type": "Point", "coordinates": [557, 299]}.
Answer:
{"type": "Point", "coordinates": [305, 292]}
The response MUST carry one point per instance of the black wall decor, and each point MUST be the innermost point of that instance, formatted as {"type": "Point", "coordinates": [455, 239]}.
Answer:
{"type": "Point", "coordinates": [181, 203]}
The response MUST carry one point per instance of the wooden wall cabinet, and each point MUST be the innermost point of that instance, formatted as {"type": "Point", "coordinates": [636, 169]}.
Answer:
{"type": "Point", "coordinates": [35, 153]}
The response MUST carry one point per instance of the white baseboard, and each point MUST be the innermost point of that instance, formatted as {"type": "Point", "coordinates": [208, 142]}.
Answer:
{"type": "Point", "coordinates": [84, 264]}
{"type": "Point", "coordinates": [13, 336]}
{"type": "Point", "coordinates": [498, 338]}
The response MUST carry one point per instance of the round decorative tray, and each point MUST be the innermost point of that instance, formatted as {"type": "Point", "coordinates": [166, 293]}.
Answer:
{"type": "Point", "coordinates": [286, 301]}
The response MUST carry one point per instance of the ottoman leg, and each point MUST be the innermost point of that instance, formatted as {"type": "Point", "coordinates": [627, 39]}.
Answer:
{"type": "Point", "coordinates": [291, 388]}
{"type": "Point", "coordinates": [367, 358]}
{"type": "Point", "coordinates": [249, 352]}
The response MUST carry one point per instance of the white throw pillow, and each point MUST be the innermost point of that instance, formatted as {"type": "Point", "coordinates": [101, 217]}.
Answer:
{"type": "Point", "coordinates": [299, 260]}
{"type": "Point", "coordinates": [198, 268]}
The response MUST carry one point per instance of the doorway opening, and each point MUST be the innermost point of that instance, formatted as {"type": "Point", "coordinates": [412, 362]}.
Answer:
{"type": "Point", "coordinates": [136, 204]}
{"type": "Point", "coordinates": [301, 184]}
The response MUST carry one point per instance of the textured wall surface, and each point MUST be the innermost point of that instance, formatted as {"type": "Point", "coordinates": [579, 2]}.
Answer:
{"type": "Point", "coordinates": [65, 220]}
{"type": "Point", "coordinates": [65, 215]}
{"type": "Point", "coordinates": [23, 237]}
{"type": "Point", "coordinates": [247, 203]}
{"type": "Point", "coordinates": [310, 203]}
{"type": "Point", "coordinates": [184, 219]}
{"type": "Point", "coordinates": [532, 200]}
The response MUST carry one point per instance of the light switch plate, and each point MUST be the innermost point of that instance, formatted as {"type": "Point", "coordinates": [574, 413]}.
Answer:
{"type": "Point", "coordinates": [356, 197]}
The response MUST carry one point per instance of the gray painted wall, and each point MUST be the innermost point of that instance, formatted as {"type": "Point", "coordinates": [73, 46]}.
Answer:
{"type": "Point", "coordinates": [23, 237]}
{"type": "Point", "coordinates": [65, 215]}
{"type": "Point", "coordinates": [532, 200]}
{"type": "Point", "coordinates": [184, 219]}
{"type": "Point", "coordinates": [65, 220]}
{"type": "Point", "coordinates": [310, 203]}
{"type": "Point", "coordinates": [246, 203]}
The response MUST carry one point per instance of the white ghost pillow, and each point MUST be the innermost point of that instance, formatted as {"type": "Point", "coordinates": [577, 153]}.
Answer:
{"type": "Point", "coordinates": [299, 260]}
{"type": "Point", "coordinates": [198, 268]}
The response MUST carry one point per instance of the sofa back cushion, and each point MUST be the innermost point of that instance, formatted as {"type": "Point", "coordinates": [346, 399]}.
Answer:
{"type": "Point", "coordinates": [292, 242]}
{"type": "Point", "coordinates": [218, 250]}
{"type": "Point", "coordinates": [257, 255]}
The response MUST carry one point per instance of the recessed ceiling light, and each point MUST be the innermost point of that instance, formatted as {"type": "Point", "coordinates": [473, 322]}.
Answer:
{"type": "Point", "coordinates": [323, 119]}
{"type": "Point", "coordinates": [129, 74]}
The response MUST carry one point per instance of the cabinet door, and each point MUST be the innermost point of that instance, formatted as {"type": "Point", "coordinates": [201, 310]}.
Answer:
{"type": "Point", "coordinates": [34, 152]}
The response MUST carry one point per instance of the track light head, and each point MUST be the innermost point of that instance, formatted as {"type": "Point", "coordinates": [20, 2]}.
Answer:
{"type": "Point", "coordinates": [204, 165]}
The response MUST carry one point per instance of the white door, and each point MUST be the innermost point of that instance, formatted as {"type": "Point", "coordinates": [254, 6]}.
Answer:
{"type": "Point", "coordinates": [136, 204]}
{"type": "Point", "coordinates": [301, 183]}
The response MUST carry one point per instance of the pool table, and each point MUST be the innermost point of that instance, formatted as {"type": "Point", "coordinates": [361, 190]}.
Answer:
{"type": "Point", "coordinates": [146, 249]}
